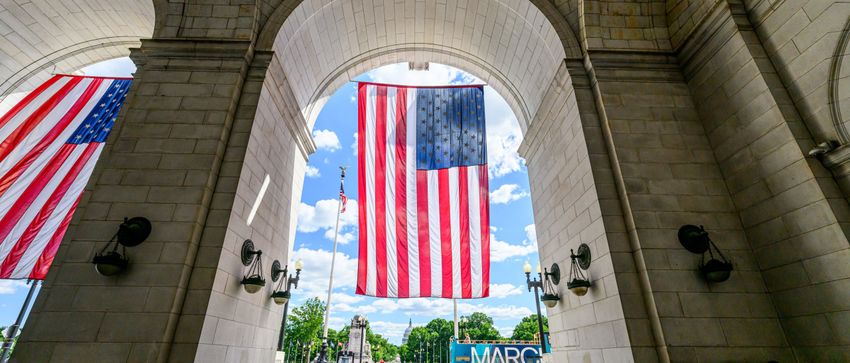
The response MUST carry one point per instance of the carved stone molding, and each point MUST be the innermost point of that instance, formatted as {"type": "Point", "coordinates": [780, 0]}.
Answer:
{"type": "Point", "coordinates": [839, 85]}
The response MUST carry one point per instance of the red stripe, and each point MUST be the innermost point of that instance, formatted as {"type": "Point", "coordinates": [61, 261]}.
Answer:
{"type": "Point", "coordinates": [424, 243]}
{"type": "Point", "coordinates": [362, 256]}
{"type": "Point", "coordinates": [445, 231]}
{"type": "Point", "coordinates": [26, 100]}
{"type": "Point", "coordinates": [35, 118]}
{"type": "Point", "coordinates": [26, 198]}
{"type": "Point", "coordinates": [465, 258]}
{"type": "Point", "coordinates": [15, 172]}
{"type": "Point", "coordinates": [484, 200]}
{"type": "Point", "coordinates": [401, 191]}
{"type": "Point", "coordinates": [46, 258]}
{"type": "Point", "coordinates": [381, 191]}
{"type": "Point", "coordinates": [47, 209]}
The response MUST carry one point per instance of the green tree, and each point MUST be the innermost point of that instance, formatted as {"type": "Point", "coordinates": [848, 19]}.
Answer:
{"type": "Point", "coordinates": [479, 326]}
{"type": "Point", "coordinates": [527, 328]}
{"type": "Point", "coordinates": [304, 327]}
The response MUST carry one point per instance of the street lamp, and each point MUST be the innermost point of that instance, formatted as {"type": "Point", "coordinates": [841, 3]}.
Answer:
{"type": "Point", "coordinates": [536, 283]}
{"type": "Point", "coordinates": [282, 296]}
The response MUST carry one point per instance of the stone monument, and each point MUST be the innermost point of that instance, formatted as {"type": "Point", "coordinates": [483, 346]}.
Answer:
{"type": "Point", "coordinates": [357, 342]}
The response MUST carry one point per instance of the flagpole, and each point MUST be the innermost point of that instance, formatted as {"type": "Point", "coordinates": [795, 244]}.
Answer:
{"type": "Point", "coordinates": [322, 358]}
{"type": "Point", "coordinates": [455, 304]}
{"type": "Point", "coordinates": [7, 344]}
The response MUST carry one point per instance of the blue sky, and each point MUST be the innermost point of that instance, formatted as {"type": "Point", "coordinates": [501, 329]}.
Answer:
{"type": "Point", "coordinates": [512, 230]}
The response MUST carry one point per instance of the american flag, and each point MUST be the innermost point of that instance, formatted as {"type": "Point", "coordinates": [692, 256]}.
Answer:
{"type": "Point", "coordinates": [422, 192]}
{"type": "Point", "coordinates": [342, 198]}
{"type": "Point", "coordinates": [51, 140]}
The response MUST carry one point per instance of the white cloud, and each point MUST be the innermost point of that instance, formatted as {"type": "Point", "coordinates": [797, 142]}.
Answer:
{"type": "Point", "coordinates": [326, 140]}
{"type": "Point", "coordinates": [354, 145]}
{"type": "Point", "coordinates": [118, 67]}
{"type": "Point", "coordinates": [507, 193]}
{"type": "Point", "coordinates": [499, 291]}
{"type": "Point", "coordinates": [502, 251]}
{"type": "Point", "coordinates": [317, 270]}
{"type": "Point", "coordinates": [503, 136]}
{"type": "Point", "coordinates": [530, 234]}
{"type": "Point", "coordinates": [443, 307]}
{"type": "Point", "coordinates": [312, 218]}
{"type": "Point", "coordinates": [11, 286]}
{"type": "Point", "coordinates": [436, 75]}
{"type": "Point", "coordinates": [312, 172]}
{"type": "Point", "coordinates": [344, 237]}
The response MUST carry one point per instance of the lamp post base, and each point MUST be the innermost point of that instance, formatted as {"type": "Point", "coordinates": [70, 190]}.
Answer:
{"type": "Point", "coordinates": [323, 354]}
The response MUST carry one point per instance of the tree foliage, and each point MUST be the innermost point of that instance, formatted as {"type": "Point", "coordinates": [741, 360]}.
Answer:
{"type": "Point", "coordinates": [527, 328]}
{"type": "Point", "coordinates": [428, 343]}
{"type": "Point", "coordinates": [304, 334]}
{"type": "Point", "coordinates": [479, 326]}
{"type": "Point", "coordinates": [304, 327]}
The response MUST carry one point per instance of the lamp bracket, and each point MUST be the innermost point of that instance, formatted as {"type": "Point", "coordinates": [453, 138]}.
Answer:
{"type": "Point", "coordinates": [276, 270]}
{"type": "Point", "coordinates": [133, 231]}
{"type": "Point", "coordinates": [248, 252]}
{"type": "Point", "coordinates": [554, 274]}
{"type": "Point", "coordinates": [582, 257]}
{"type": "Point", "coordinates": [694, 238]}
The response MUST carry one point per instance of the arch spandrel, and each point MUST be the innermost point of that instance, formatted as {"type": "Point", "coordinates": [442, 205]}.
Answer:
{"type": "Point", "coordinates": [509, 43]}
{"type": "Point", "coordinates": [62, 37]}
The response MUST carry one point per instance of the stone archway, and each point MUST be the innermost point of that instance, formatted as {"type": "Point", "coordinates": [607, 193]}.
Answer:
{"type": "Point", "coordinates": [633, 128]}
{"type": "Point", "coordinates": [63, 37]}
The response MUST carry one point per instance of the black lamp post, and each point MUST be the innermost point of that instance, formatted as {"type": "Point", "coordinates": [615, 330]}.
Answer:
{"type": "Point", "coordinates": [282, 296]}
{"type": "Point", "coordinates": [536, 283]}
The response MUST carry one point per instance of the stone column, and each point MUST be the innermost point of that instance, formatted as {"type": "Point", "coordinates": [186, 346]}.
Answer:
{"type": "Point", "coordinates": [167, 160]}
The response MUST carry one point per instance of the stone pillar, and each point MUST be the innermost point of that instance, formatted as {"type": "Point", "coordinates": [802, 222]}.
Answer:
{"type": "Point", "coordinates": [174, 158]}
{"type": "Point", "coordinates": [793, 214]}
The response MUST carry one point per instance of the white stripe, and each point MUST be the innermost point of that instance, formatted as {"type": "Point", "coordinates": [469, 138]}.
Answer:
{"type": "Point", "coordinates": [44, 194]}
{"type": "Point", "coordinates": [53, 117]}
{"type": "Point", "coordinates": [392, 254]}
{"type": "Point", "coordinates": [369, 139]}
{"type": "Point", "coordinates": [32, 254]}
{"type": "Point", "coordinates": [29, 109]}
{"type": "Point", "coordinates": [434, 233]}
{"type": "Point", "coordinates": [412, 221]}
{"type": "Point", "coordinates": [475, 231]}
{"type": "Point", "coordinates": [454, 213]}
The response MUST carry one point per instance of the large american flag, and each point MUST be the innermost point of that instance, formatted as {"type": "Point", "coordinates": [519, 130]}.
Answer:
{"type": "Point", "coordinates": [422, 192]}
{"type": "Point", "coordinates": [51, 140]}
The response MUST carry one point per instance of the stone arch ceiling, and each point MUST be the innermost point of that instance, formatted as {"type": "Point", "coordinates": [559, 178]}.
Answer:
{"type": "Point", "coordinates": [507, 42]}
{"type": "Point", "coordinates": [36, 35]}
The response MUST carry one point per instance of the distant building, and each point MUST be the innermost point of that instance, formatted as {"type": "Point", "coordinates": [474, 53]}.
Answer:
{"type": "Point", "coordinates": [407, 332]}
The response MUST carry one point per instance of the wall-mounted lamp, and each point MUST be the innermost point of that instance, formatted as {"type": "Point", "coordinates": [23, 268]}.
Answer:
{"type": "Point", "coordinates": [281, 295]}
{"type": "Point", "coordinates": [579, 284]}
{"type": "Point", "coordinates": [551, 278]}
{"type": "Point", "coordinates": [253, 280]}
{"type": "Point", "coordinates": [130, 233]}
{"type": "Point", "coordinates": [695, 239]}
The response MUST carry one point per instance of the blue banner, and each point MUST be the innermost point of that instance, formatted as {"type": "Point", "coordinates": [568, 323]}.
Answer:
{"type": "Point", "coordinates": [495, 353]}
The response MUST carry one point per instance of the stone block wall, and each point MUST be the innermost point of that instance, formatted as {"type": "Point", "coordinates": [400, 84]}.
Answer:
{"type": "Point", "coordinates": [239, 326]}
{"type": "Point", "coordinates": [617, 24]}
{"type": "Point", "coordinates": [575, 202]}
{"type": "Point", "coordinates": [163, 161]}
{"type": "Point", "coordinates": [793, 221]}
{"type": "Point", "coordinates": [671, 179]}
{"type": "Point", "coordinates": [801, 38]}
